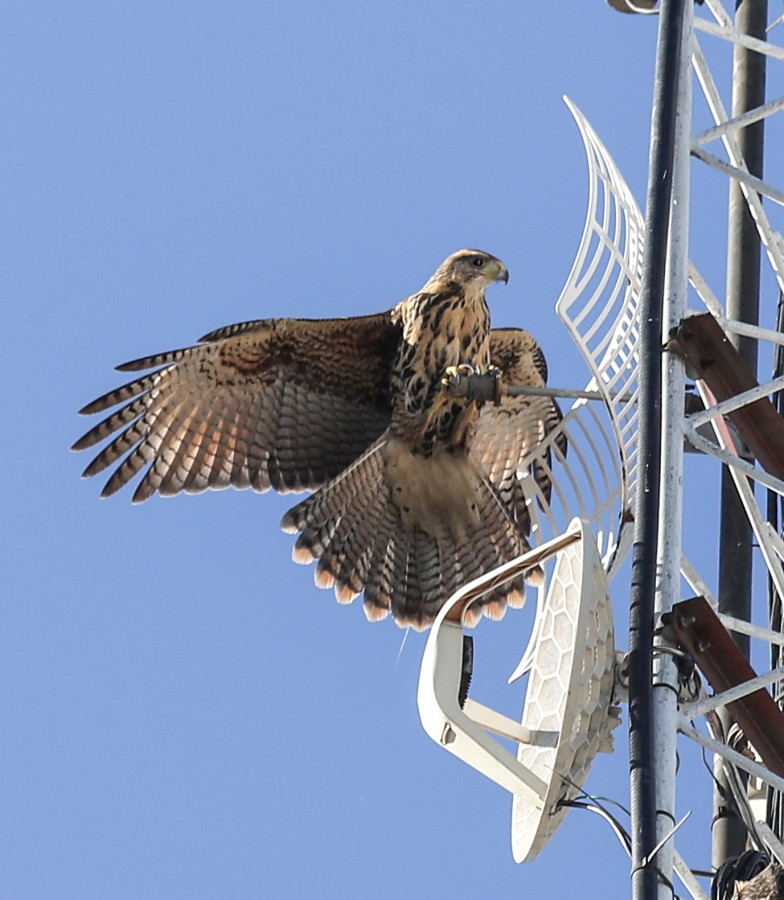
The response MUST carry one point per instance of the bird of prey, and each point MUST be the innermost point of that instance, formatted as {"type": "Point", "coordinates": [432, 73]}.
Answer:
{"type": "Point", "coordinates": [416, 491]}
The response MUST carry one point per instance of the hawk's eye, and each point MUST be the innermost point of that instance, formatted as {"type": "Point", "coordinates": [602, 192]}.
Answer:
{"type": "Point", "coordinates": [478, 262]}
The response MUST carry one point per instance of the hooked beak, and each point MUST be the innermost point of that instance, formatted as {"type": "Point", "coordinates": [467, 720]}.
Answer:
{"type": "Point", "coordinates": [502, 274]}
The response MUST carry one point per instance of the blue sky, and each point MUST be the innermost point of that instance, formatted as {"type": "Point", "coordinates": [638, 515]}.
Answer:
{"type": "Point", "coordinates": [186, 714]}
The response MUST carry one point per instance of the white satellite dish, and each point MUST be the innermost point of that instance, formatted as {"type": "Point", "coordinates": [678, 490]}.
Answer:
{"type": "Point", "coordinates": [567, 716]}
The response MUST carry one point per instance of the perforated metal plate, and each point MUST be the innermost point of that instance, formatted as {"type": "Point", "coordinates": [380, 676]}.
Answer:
{"type": "Point", "coordinates": [569, 691]}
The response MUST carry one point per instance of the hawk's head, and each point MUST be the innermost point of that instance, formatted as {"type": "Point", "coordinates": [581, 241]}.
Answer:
{"type": "Point", "coordinates": [467, 266]}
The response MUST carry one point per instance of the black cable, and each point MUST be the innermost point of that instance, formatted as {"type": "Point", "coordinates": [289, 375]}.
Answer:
{"type": "Point", "coordinates": [620, 832]}
{"type": "Point", "coordinates": [740, 868]}
{"type": "Point", "coordinates": [594, 804]}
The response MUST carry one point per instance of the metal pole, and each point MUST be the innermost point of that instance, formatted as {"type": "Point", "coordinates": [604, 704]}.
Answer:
{"type": "Point", "coordinates": [665, 674]}
{"type": "Point", "coordinates": [743, 284]}
{"type": "Point", "coordinates": [642, 747]}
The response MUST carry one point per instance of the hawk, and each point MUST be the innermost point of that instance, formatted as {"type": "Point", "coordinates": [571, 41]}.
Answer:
{"type": "Point", "coordinates": [416, 491]}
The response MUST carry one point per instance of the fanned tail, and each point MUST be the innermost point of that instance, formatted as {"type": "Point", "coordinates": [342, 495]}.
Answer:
{"type": "Point", "coordinates": [408, 531]}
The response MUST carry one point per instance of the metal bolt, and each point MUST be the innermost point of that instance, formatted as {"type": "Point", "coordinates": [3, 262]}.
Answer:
{"type": "Point", "coordinates": [447, 735]}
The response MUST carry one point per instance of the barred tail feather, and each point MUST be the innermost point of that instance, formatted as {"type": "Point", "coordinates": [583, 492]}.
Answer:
{"type": "Point", "coordinates": [408, 531]}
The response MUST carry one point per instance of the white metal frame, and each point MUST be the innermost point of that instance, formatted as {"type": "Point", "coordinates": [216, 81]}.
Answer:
{"type": "Point", "coordinates": [567, 717]}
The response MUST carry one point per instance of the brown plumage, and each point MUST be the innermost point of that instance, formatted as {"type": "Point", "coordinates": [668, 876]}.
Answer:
{"type": "Point", "coordinates": [416, 491]}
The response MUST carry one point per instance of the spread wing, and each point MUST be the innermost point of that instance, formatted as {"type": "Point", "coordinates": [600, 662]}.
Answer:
{"type": "Point", "coordinates": [281, 403]}
{"type": "Point", "coordinates": [507, 434]}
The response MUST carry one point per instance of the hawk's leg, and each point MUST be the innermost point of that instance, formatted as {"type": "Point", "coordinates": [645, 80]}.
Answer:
{"type": "Point", "coordinates": [469, 382]}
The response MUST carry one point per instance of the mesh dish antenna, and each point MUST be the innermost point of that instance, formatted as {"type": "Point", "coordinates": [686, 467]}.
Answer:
{"type": "Point", "coordinates": [597, 480]}
{"type": "Point", "coordinates": [567, 716]}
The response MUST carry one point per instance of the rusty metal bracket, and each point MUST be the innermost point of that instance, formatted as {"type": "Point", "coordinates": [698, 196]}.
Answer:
{"type": "Point", "coordinates": [699, 631]}
{"type": "Point", "coordinates": [716, 362]}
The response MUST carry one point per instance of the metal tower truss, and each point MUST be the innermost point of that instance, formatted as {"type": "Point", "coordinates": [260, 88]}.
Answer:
{"type": "Point", "coordinates": [740, 428]}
